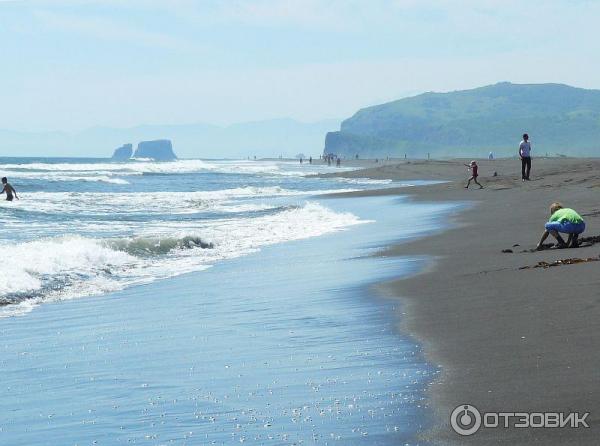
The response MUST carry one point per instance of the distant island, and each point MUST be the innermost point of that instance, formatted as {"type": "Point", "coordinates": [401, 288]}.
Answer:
{"type": "Point", "coordinates": [123, 153]}
{"type": "Point", "coordinates": [560, 120]}
{"type": "Point", "coordinates": [158, 150]}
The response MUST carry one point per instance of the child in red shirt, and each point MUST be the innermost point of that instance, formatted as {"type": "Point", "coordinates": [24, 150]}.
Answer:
{"type": "Point", "coordinates": [473, 167]}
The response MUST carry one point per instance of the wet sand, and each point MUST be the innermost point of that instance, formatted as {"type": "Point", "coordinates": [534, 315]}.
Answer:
{"type": "Point", "coordinates": [506, 338]}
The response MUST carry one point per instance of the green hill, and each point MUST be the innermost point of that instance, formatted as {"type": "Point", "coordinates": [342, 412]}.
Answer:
{"type": "Point", "coordinates": [559, 119]}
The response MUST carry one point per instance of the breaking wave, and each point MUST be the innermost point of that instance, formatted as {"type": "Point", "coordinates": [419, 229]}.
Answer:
{"type": "Point", "coordinates": [73, 266]}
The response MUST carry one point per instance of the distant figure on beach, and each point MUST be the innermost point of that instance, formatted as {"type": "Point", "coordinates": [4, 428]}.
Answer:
{"type": "Point", "coordinates": [338, 162]}
{"type": "Point", "coordinates": [310, 160]}
{"type": "Point", "coordinates": [8, 190]}
{"type": "Point", "coordinates": [474, 174]}
{"type": "Point", "coordinates": [525, 155]}
{"type": "Point", "coordinates": [300, 160]}
{"type": "Point", "coordinates": [491, 156]}
{"type": "Point", "coordinates": [563, 220]}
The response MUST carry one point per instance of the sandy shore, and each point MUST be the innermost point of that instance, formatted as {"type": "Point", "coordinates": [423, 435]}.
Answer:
{"type": "Point", "coordinates": [507, 339]}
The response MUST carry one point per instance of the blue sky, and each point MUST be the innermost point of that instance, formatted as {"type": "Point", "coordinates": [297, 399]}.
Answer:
{"type": "Point", "coordinates": [72, 64]}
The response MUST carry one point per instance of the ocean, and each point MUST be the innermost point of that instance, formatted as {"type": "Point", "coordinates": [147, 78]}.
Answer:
{"type": "Point", "coordinates": [204, 302]}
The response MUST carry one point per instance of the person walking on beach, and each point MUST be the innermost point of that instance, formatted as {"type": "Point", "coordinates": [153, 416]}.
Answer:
{"type": "Point", "coordinates": [8, 190]}
{"type": "Point", "coordinates": [525, 155]}
{"type": "Point", "coordinates": [474, 174]}
{"type": "Point", "coordinates": [563, 220]}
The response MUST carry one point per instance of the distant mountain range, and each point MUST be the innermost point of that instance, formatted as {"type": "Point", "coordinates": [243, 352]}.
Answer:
{"type": "Point", "coordinates": [559, 119]}
{"type": "Point", "coordinates": [268, 138]}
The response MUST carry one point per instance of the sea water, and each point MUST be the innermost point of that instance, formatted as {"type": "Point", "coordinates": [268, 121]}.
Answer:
{"type": "Point", "coordinates": [273, 337]}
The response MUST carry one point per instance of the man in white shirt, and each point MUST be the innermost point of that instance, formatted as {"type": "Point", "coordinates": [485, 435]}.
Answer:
{"type": "Point", "coordinates": [525, 155]}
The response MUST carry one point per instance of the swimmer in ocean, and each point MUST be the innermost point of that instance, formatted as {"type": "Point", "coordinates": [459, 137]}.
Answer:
{"type": "Point", "coordinates": [9, 190]}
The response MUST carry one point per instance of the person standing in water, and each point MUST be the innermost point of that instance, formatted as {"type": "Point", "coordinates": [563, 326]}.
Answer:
{"type": "Point", "coordinates": [9, 190]}
{"type": "Point", "coordinates": [525, 155]}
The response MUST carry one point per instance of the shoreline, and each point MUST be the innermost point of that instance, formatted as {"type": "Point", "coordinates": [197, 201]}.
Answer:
{"type": "Point", "coordinates": [505, 339]}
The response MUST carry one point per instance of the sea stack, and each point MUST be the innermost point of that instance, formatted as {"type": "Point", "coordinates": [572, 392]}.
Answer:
{"type": "Point", "coordinates": [158, 150]}
{"type": "Point", "coordinates": [123, 153]}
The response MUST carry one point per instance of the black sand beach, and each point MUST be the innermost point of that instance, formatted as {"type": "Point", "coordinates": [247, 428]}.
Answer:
{"type": "Point", "coordinates": [507, 339]}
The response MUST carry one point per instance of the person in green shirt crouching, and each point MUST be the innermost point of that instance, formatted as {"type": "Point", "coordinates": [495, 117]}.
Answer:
{"type": "Point", "coordinates": [563, 220]}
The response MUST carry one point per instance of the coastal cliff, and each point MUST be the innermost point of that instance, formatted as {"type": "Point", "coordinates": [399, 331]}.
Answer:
{"type": "Point", "coordinates": [560, 119]}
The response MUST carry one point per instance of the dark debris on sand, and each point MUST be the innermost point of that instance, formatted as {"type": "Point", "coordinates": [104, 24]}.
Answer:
{"type": "Point", "coordinates": [591, 240]}
{"type": "Point", "coordinates": [571, 261]}
{"type": "Point", "coordinates": [584, 242]}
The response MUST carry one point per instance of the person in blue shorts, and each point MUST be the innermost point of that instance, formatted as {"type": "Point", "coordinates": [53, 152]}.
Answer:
{"type": "Point", "coordinates": [566, 221]}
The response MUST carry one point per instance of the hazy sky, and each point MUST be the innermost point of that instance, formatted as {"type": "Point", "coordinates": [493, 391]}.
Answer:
{"type": "Point", "coordinates": [70, 64]}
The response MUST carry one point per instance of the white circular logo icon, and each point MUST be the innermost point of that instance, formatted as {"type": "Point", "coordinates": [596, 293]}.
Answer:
{"type": "Point", "coordinates": [465, 419]}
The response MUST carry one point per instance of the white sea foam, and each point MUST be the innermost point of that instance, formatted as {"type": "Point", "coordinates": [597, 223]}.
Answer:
{"type": "Point", "coordinates": [124, 168]}
{"type": "Point", "coordinates": [363, 180]}
{"type": "Point", "coordinates": [140, 167]}
{"type": "Point", "coordinates": [75, 266]}
{"type": "Point", "coordinates": [93, 178]}
{"type": "Point", "coordinates": [99, 176]}
{"type": "Point", "coordinates": [226, 200]}
{"type": "Point", "coordinates": [56, 260]}
{"type": "Point", "coordinates": [273, 168]}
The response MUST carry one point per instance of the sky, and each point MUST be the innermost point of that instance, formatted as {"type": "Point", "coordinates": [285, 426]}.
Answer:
{"type": "Point", "coordinates": [72, 64]}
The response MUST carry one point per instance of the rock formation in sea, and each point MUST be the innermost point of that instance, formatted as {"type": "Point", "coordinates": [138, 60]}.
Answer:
{"type": "Point", "coordinates": [159, 150]}
{"type": "Point", "coordinates": [123, 153]}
